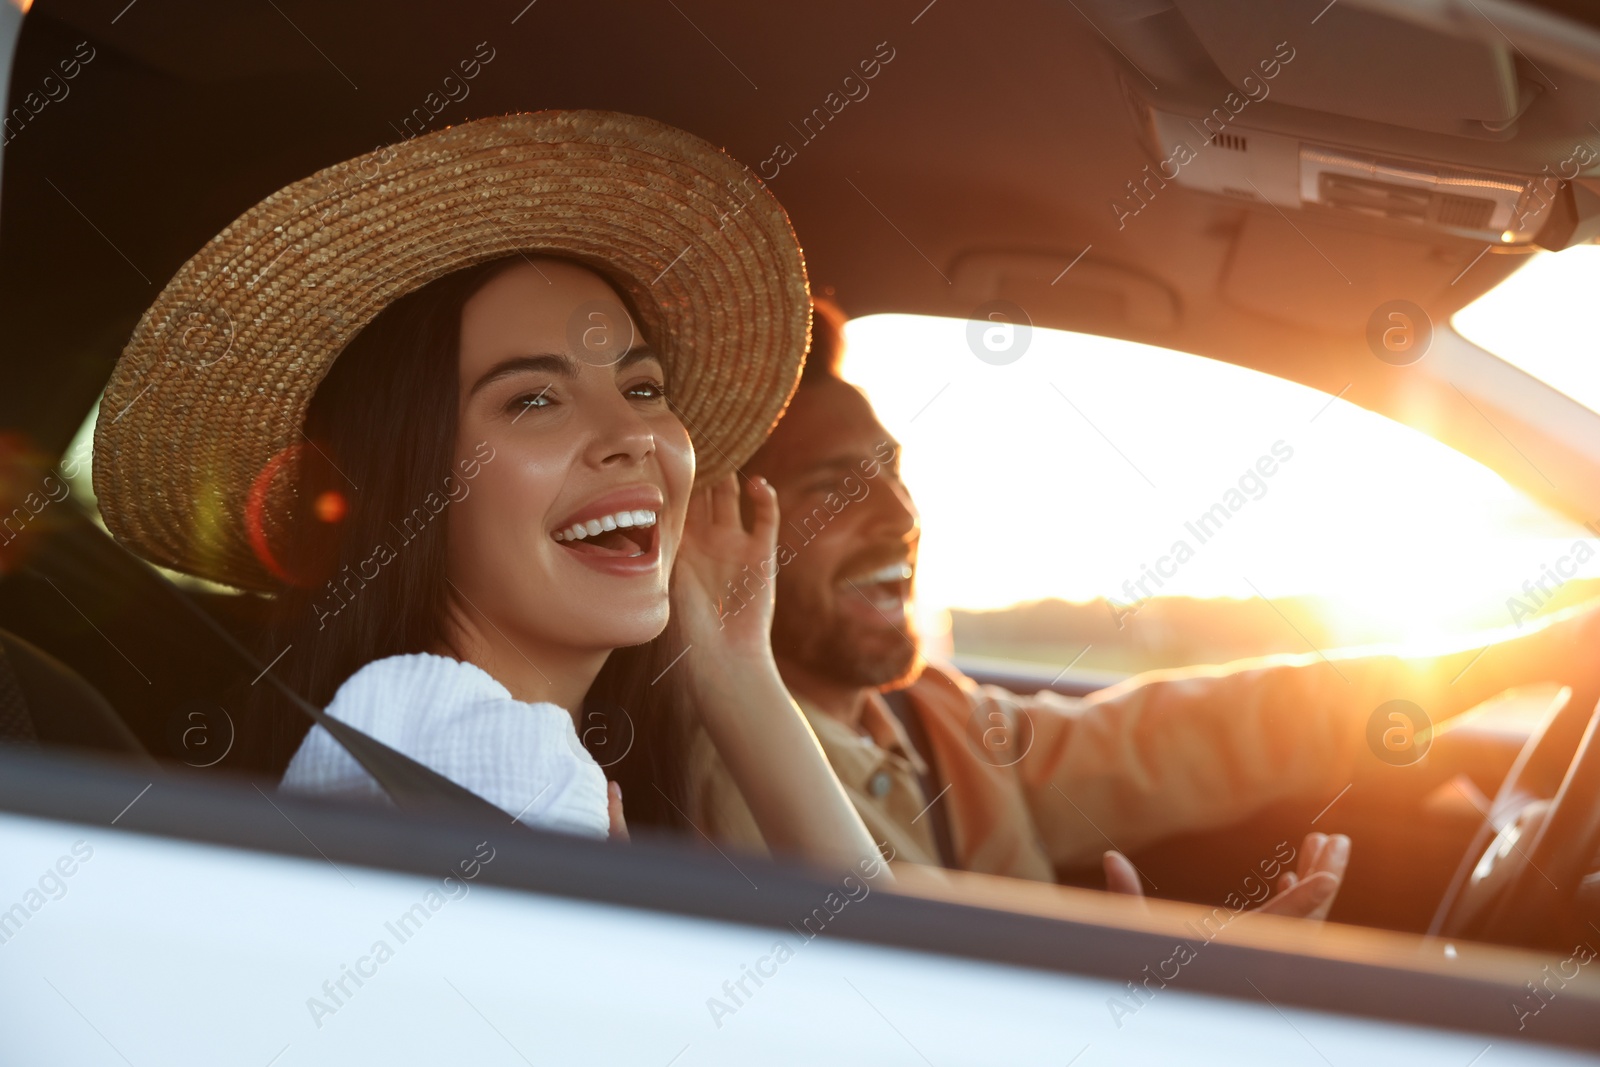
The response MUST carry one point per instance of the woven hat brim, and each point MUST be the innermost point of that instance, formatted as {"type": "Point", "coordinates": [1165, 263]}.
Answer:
{"type": "Point", "coordinates": [215, 382]}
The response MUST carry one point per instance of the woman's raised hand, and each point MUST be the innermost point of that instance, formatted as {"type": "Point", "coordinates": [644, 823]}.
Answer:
{"type": "Point", "coordinates": [723, 583]}
{"type": "Point", "coordinates": [722, 596]}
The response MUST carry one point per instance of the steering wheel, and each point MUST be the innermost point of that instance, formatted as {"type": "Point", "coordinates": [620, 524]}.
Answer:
{"type": "Point", "coordinates": [1525, 871]}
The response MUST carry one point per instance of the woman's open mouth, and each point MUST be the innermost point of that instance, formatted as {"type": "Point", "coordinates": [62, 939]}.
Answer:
{"type": "Point", "coordinates": [626, 533]}
{"type": "Point", "coordinates": [616, 533]}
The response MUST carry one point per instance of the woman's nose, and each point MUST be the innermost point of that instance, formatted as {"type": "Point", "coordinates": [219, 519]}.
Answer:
{"type": "Point", "coordinates": [620, 435]}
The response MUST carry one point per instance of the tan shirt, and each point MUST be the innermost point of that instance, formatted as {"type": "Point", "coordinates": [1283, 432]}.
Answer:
{"type": "Point", "coordinates": [1041, 783]}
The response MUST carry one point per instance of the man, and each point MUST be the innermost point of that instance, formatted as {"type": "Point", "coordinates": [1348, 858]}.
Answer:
{"type": "Point", "coordinates": [983, 780]}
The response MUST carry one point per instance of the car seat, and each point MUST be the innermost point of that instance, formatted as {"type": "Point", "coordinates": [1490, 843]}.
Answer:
{"type": "Point", "coordinates": [46, 703]}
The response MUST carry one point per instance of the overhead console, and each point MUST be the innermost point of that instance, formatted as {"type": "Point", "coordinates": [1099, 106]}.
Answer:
{"type": "Point", "coordinates": [1422, 121]}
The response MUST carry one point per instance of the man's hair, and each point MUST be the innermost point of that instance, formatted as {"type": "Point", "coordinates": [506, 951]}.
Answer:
{"type": "Point", "coordinates": [827, 342]}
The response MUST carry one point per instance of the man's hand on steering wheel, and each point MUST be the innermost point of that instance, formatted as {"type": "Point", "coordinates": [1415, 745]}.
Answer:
{"type": "Point", "coordinates": [1305, 893]}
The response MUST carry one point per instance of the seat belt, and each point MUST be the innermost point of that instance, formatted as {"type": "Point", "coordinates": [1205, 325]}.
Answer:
{"type": "Point", "coordinates": [414, 787]}
{"type": "Point", "coordinates": [901, 705]}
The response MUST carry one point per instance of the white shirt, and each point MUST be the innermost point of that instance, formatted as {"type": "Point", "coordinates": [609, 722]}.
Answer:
{"type": "Point", "coordinates": [453, 717]}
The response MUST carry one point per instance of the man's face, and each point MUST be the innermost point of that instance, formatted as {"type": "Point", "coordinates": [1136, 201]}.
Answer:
{"type": "Point", "coordinates": [850, 529]}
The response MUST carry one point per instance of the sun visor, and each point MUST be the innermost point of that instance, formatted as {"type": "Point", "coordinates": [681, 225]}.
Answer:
{"type": "Point", "coordinates": [1403, 74]}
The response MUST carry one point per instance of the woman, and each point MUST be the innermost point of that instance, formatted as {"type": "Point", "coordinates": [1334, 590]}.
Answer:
{"type": "Point", "coordinates": [543, 325]}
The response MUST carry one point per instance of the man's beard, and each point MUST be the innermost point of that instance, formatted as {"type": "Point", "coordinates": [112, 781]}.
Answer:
{"type": "Point", "coordinates": [805, 634]}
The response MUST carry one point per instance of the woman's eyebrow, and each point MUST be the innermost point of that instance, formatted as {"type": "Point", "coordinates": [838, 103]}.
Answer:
{"type": "Point", "coordinates": [547, 364]}
{"type": "Point", "coordinates": [637, 354]}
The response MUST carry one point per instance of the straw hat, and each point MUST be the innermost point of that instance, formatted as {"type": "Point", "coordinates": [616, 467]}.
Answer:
{"type": "Point", "coordinates": [202, 417]}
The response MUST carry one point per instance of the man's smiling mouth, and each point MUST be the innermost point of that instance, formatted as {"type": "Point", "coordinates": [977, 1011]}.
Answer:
{"type": "Point", "coordinates": [886, 588]}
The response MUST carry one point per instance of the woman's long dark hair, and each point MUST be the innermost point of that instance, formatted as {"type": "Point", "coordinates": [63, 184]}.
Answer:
{"type": "Point", "coordinates": [381, 438]}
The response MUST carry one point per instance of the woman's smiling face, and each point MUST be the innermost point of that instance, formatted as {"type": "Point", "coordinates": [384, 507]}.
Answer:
{"type": "Point", "coordinates": [566, 540]}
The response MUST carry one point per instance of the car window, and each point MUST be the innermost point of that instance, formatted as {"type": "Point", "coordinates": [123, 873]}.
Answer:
{"type": "Point", "coordinates": [1541, 319]}
{"type": "Point", "coordinates": [1120, 506]}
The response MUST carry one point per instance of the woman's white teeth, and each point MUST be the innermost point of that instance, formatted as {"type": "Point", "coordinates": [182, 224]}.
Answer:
{"type": "Point", "coordinates": [616, 520]}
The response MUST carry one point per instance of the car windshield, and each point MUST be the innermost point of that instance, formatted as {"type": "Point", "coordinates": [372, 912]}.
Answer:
{"type": "Point", "coordinates": [1059, 491]}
